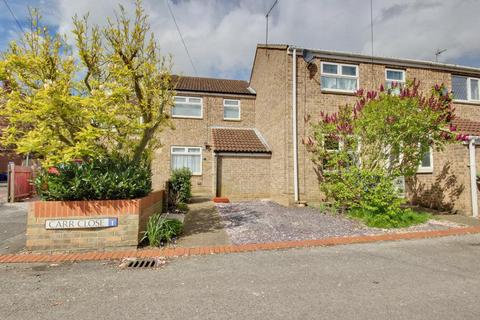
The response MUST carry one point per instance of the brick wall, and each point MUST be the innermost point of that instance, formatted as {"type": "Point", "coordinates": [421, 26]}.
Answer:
{"type": "Point", "coordinates": [132, 216]}
{"type": "Point", "coordinates": [197, 133]}
{"type": "Point", "coordinates": [272, 80]}
{"type": "Point", "coordinates": [244, 177]}
{"type": "Point", "coordinates": [447, 188]}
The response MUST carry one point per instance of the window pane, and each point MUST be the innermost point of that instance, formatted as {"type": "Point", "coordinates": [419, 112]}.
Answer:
{"type": "Point", "coordinates": [194, 150]}
{"type": "Point", "coordinates": [459, 87]}
{"type": "Point", "coordinates": [231, 112]}
{"type": "Point", "coordinates": [394, 75]}
{"type": "Point", "coordinates": [231, 102]}
{"type": "Point", "coordinates": [192, 162]}
{"type": "Point", "coordinates": [339, 83]}
{"type": "Point", "coordinates": [474, 94]}
{"type": "Point", "coordinates": [187, 110]}
{"type": "Point", "coordinates": [347, 84]}
{"type": "Point", "coordinates": [175, 149]}
{"type": "Point", "coordinates": [194, 100]}
{"type": "Point", "coordinates": [329, 68]}
{"type": "Point", "coordinates": [329, 83]}
{"type": "Point", "coordinates": [426, 160]}
{"type": "Point", "coordinates": [180, 99]}
{"type": "Point", "coordinates": [331, 144]}
{"type": "Point", "coordinates": [349, 71]}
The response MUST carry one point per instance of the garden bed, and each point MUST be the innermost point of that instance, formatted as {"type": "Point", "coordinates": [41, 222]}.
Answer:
{"type": "Point", "coordinates": [265, 221]}
{"type": "Point", "coordinates": [92, 224]}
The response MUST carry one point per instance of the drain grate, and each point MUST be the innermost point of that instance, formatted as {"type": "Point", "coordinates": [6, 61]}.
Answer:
{"type": "Point", "coordinates": [142, 264]}
{"type": "Point", "coordinates": [133, 263]}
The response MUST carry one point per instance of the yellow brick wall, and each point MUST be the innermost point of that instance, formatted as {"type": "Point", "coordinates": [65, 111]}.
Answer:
{"type": "Point", "coordinates": [197, 133]}
{"type": "Point", "coordinates": [244, 177]}
{"type": "Point", "coordinates": [272, 80]}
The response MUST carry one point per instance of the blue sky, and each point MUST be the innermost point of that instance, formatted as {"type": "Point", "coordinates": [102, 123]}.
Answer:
{"type": "Point", "coordinates": [221, 35]}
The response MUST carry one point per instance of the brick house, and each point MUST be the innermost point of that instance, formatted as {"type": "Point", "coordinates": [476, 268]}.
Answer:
{"type": "Point", "coordinates": [215, 136]}
{"type": "Point", "coordinates": [251, 152]}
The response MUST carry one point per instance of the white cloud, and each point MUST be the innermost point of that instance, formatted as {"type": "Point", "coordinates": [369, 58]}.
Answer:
{"type": "Point", "coordinates": [221, 35]}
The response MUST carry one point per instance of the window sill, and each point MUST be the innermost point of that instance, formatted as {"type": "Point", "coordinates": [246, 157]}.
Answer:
{"type": "Point", "coordinates": [473, 103]}
{"type": "Point", "coordinates": [423, 171]}
{"type": "Point", "coordinates": [235, 120]}
{"type": "Point", "coordinates": [340, 92]}
{"type": "Point", "coordinates": [185, 117]}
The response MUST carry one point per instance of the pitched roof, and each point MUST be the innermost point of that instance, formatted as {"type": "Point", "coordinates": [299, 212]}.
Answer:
{"type": "Point", "coordinates": [238, 140]}
{"type": "Point", "coordinates": [468, 127]}
{"type": "Point", "coordinates": [365, 58]}
{"type": "Point", "coordinates": [212, 85]}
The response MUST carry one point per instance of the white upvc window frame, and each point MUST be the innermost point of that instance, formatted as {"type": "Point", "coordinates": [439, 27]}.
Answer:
{"type": "Point", "coordinates": [429, 169]}
{"type": "Point", "coordinates": [187, 101]}
{"type": "Point", "coordinates": [340, 75]}
{"type": "Point", "coordinates": [186, 153]}
{"type": "Point", "coordinates": [400, 82]}
{"type": "Point", "coordinates": [232, 106]}
{"type": "Point", "coordinates": [469, 89]}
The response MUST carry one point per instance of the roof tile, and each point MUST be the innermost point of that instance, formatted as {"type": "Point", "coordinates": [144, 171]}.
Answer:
{"type": "Point", "coordinates": [238, 140]}
{"type": "Point", "coordinates": [467, 127]}
{"type": "Point", "coordinates": [211, 85]}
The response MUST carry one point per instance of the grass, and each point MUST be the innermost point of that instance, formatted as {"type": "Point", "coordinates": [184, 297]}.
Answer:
{"type": "Point", "coordinates": [401, 219]}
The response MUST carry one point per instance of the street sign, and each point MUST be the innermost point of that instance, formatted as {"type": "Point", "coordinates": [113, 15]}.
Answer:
{"type": "Point", "coordinates": [92, 223]}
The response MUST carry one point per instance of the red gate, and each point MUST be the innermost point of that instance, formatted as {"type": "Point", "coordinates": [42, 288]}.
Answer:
{"type": "Point", "coordinates": [19, 182]}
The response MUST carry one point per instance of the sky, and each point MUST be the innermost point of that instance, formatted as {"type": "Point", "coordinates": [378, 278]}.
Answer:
{"type": "Point", "coordinates": [221, 35]}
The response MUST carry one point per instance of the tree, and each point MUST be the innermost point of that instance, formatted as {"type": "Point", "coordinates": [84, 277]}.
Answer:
{"type": "Point", "coordinates": [363, 148]}
{"type": "Point", "coordinates": [110, 93]}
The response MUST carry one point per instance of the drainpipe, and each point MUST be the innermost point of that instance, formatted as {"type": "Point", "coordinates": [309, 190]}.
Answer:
{"type": "Point", "coordinates": [473, 175]}
{"type": "Point", "coordinates": [294, 123]}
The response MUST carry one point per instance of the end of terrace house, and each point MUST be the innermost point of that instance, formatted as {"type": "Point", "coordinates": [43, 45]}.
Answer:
{"type": "Point", "coordinates": [242, 139]}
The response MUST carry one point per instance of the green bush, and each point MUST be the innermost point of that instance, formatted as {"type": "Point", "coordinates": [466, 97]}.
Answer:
{"type": "Point", "coordinates": [160, 229]}
{"type": "Point", "coordinates": [370, 196]}
{"type": "Point", "coordinates": [180, 187]}
{"type": "Point", "coordinates": [98, 179]}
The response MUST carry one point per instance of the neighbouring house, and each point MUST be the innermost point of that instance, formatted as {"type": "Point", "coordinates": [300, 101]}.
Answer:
{"type": "Point", "coordinates": [243, 139]}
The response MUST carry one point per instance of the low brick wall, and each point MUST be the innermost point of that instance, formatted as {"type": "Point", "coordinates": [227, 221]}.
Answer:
{"type": "Point", "coordinates": [132, 217]}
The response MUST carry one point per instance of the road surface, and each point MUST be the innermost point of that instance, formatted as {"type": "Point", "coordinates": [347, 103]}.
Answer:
{"type": "Point", "coordinates": [420, 279]}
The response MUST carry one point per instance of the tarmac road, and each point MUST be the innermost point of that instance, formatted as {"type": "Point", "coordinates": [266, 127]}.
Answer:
{"type": "Point", "coordinates": [418, 279]}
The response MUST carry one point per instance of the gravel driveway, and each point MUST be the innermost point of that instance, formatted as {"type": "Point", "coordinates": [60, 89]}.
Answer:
{"type": "Point", "coordinates": [266, 221]}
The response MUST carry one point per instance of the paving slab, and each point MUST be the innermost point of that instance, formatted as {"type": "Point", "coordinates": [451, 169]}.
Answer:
{"type": "Point", "coordinates": [203, 225]}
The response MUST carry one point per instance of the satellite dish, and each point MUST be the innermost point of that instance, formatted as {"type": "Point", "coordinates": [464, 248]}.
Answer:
{"type": "Point", "coordinates": [308, 56]}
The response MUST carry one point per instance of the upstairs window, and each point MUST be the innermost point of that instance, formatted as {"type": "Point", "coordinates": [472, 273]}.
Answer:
{"type": "Point", "coordinates": [466, 88]}
{"type": "Point", "coordinates": [187, 157]}
{"type": "Point", "coordinates": [231, 109]}
{"type": "Point", "coordinates": [187, 107]}
{"type": "Point", "coordinates": [339, 77]}
{"type": "Point", "coordinates": [394, 76]}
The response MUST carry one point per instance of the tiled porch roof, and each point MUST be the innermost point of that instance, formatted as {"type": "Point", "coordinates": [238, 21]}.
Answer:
{"type": "Point", "coordinates": [468, 127]}
{"type": "Point", "coordinates": [238, 140]}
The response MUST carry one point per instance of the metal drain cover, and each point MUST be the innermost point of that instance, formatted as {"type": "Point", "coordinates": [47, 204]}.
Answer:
{"type": "Point", "coordinates": [137, 263]}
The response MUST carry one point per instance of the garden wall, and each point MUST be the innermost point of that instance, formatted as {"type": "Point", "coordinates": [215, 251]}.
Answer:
{"type": "Point", "coordinates": [87, 225]}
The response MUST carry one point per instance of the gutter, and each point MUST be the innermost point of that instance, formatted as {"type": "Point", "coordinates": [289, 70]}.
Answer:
{"type": "Point", "coordinates": [294, 122]}
{"type": "Point", "coordinates": [473, 140]}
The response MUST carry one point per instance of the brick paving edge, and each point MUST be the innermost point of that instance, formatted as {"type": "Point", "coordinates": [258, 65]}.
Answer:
{"type": "Point", "coordinates": [198, 251]}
